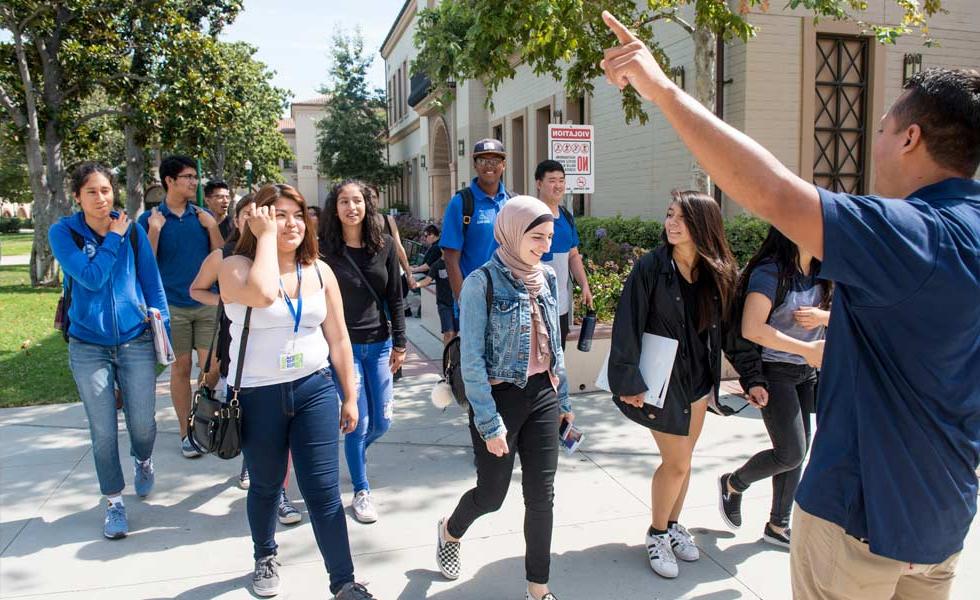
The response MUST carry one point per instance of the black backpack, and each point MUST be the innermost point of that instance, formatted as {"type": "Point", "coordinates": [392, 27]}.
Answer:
{"type": "Point", "coordinates": [451, 356]}
{"type": "Point", "coordinates": [61, 320]}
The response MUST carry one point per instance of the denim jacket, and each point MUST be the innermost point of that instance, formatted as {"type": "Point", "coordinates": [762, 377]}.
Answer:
{"type": "Point", "coordinates": [499, 348]}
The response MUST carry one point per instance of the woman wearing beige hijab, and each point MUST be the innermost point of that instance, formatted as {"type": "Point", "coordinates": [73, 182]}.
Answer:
{"type": "Point", "coordinates": [514, 372]}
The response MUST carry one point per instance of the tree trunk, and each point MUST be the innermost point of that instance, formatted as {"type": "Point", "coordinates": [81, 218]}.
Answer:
{"type": "Point", "coordinates": [135, 170]}
{"type": "Point", "coordinates": [705, 58]}
{"type": "Point", "coordinates": [219, 158]}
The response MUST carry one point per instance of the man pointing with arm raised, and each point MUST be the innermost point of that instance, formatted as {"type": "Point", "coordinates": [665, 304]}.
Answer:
{"type": "Point", "coordinates": [890, 489]}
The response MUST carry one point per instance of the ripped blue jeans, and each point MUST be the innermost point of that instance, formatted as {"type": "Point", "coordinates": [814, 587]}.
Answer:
{"type": "Point", "coordinates": [375, 400]}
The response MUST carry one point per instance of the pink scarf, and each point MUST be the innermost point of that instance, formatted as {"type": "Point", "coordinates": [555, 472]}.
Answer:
{"type": "Point", "coordinates": [512, 223]}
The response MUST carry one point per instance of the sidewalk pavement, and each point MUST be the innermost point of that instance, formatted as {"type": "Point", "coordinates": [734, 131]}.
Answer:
{"type": "Point", "coordinates": [189, 540]}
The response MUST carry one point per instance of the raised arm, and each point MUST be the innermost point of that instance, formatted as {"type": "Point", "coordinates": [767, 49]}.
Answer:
{"type": "Point", "coordinates": [748, 173]}
{"type": "Point", "coordinates": [253, 282]}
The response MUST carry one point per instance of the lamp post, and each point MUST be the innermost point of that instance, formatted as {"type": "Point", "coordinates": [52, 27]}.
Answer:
{"type": "Point", "coordinates": [248, 174]}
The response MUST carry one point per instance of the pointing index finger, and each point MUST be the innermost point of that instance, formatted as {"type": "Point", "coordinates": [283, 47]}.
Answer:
{"type": "Point", "coordinates": [623, 34]}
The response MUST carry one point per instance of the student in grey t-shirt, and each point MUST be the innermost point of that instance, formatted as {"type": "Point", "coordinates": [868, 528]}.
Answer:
{"type": "Point", "coordinates": [786, 313]}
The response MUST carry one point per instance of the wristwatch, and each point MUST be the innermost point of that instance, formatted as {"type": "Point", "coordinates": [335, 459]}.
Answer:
{"type": "Point", "coordinates": [400, 350]}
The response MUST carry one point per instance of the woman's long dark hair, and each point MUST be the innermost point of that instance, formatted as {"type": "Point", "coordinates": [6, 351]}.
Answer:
{"type": "Point", "coordinates": [779, 249]}
{"type": "Point", "coordinates": [332, 232]}
{"type": "Point", "coordinates": [716, 265]}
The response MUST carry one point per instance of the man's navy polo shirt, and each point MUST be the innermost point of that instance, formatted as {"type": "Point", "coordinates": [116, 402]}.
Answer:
{"type": "Point", "coordinates": [181, 250]}
{"type": "Point", "coordinates": [898, 413]}
{"type": "Point", "coordinates": [478, 245]}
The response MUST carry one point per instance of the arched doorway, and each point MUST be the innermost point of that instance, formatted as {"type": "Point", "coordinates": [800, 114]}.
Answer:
{"type": "Point", "coordinates": [440, 175]}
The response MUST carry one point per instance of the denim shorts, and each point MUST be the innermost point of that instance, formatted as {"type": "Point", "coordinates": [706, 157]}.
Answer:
{"type": "Point", "coordinates": [448, 320]}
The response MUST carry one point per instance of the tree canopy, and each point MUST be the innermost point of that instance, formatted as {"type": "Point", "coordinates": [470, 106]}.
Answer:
{"type": "Point", "coordinates": [480, 39]}
{"type": "Point", "coordinates": [350, 138]}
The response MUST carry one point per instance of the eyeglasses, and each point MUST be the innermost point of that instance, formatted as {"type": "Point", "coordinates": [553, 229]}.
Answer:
{"type": "Point", "coordinates": [489, 162]}
{"type": "Point", "coordinates": [188, 177]}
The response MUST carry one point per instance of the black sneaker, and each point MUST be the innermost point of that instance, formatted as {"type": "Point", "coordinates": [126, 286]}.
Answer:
{"type": "Point", "coordinates": [729, 504]}
{"type": "Point", "coordinates": [353, 591]}
{"type": "Point", "coordinates": [771, 536]}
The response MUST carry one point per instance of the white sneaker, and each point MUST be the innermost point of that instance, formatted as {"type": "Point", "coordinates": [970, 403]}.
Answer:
{"type": "Point", "coordinates": [662, 559]}
{"type": "Point", "coordinates": [682, 543]}
{"type": "Point", "coordinates": [364, 510]}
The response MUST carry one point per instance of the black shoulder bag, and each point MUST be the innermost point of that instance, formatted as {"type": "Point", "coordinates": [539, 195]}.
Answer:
{"type": "Point", "coordinates": [452, 371]}
{"type": "Point", "coordinates": [215, 427]}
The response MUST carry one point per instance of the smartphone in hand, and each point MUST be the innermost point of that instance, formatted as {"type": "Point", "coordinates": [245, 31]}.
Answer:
{"type": "Point", "coordinates": [569, 437]}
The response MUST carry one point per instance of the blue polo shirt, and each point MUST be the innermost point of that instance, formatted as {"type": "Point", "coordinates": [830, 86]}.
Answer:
{"type": "Point", "coordinates": [479, 243]}
{"type": "Point", "coordinates": [898, 413]}
{"type": "Point", "coordinates": [565, 238]}
{"type": "Point", "coordinates": [181, 251]}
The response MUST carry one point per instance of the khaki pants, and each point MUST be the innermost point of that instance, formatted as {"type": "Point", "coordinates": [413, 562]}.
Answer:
{"type": "Point", "coordinates": [828, 564]}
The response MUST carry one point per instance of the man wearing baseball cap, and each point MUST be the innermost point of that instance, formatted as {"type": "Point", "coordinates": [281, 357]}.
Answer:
{"type": "Point", "coordinates": [467, 226]}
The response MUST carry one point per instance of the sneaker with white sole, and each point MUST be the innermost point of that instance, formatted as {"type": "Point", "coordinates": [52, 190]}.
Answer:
{"type": "Point", "coordinates": [729, 503]}
{"type": "Point", "coordinates": [188, 449]}
{"type": "Point", "coordinates": [364, 510]}
{"type": "Point", "coordinates": [143, 477]}
{"type": "Point", "coordinates": [662, 559]}
{"type": "Point", "coordinates": [265, 577]}
{"type": "Point", "coordinates": [243, 480]}
{"type": "Point", "coordinates": [288, 515]}
{"type": "Point", "coordinates": [682, 543]}
{"type": "Point", "coordinates": [771, 536]}
{"type": "Point", "coordinates": [447, 553]}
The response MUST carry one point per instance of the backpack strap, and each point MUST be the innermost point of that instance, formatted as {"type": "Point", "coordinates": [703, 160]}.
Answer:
{"type": "Point", "coordinates": [469, 207]}
{"type": "Point", "coordinates": [489, 290]}
{"type": "Point", "coordinates": [568, 215]}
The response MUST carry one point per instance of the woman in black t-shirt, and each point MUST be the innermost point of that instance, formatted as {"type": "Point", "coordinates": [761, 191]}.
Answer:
{"type": "Point", "coordinates": [365, 261]}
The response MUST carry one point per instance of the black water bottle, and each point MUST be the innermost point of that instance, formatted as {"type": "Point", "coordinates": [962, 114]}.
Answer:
{"type": "Point", "coordinates": [585, 332]}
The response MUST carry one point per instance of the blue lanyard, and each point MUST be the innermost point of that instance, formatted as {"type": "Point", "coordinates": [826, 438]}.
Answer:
{"type": "Point", "coordinates": [296, 312]}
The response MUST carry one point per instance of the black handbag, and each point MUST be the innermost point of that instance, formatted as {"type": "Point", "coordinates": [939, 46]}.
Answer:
{"type": "Point", "coordinates": [215, 427]}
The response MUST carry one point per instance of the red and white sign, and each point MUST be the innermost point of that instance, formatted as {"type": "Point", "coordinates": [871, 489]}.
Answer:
{"type": "Point", "coordinates": [574, 147]}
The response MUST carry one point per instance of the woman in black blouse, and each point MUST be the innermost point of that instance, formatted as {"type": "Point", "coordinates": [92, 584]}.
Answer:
{"type": "Point", "coordinates": [366, 264]}
{"type": "Point", "coordinates": [678, 291]}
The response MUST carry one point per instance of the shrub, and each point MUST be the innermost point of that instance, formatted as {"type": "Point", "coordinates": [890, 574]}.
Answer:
{"type": "Point", "coordinates": [745, 234]}
{"type": "Point", "coordinates": [14, 224]}
{"type": "Point", "coordinates": [596, 233]}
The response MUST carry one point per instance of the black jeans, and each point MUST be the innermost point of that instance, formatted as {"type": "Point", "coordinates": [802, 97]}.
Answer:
{"type": "Point", "coordinates": [531, 418]}
{"type": "Point", "coordinates": [787, 418]}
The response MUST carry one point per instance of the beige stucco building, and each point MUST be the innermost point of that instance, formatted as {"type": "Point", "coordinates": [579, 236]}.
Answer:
{"type": "Point", "coordinates": [812, 93]}
{"type": "Point", "coordinates": [300, 133]}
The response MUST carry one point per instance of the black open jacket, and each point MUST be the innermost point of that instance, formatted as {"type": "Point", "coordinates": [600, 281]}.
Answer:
{"type": "Point", "coordinates": [651, 302]}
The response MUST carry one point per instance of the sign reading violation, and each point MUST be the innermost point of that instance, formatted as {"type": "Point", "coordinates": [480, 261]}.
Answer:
{"type": "Point", "coordinates": [574, 147]}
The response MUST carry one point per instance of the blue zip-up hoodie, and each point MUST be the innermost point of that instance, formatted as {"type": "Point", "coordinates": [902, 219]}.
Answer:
{"type": "Point", "coordinates": [109, 296]}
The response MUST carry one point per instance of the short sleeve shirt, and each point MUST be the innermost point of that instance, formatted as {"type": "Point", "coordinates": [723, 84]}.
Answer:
{"type": "Point", "coordinates": [433, 254]}
{"type": "Point", "coordinates": [801, 291]}
{"type": "Point", "coordinates": [566, 238]}
{"type": "Point", "coordinates": [898, 413]}
{"type": "Point", "coordinates": [444, 293]}
{"type": "Point", "coordinates": [181, 250]}
{"type": "Point", "coordinates": [478, 244]}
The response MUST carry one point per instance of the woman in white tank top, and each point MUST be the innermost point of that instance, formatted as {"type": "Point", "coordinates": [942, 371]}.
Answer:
{"type": "Point", "coordinates": [290, 305]}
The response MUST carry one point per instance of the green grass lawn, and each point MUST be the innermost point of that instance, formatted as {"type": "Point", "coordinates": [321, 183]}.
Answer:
{"type": "Point", "coordinates": [16, 244]}
{"type": "Point", "coordinates": [33, 356]}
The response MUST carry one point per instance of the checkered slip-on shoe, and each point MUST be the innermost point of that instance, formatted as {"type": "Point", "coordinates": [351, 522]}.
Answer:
{"type": "Point", "coordinates": [447, 554]}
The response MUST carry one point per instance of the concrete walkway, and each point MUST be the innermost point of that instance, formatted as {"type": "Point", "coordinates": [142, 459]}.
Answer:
{"type": "Point", "coordinates": [189, 540]}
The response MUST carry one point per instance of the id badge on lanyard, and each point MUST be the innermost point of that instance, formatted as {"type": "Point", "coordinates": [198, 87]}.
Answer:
{"type": "Point", "coordinates": [291, 360]}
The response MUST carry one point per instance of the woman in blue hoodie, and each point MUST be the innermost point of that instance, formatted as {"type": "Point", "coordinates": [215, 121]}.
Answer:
{"type": "Point", "coordinates": [114, 280]}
